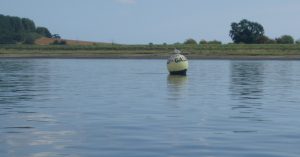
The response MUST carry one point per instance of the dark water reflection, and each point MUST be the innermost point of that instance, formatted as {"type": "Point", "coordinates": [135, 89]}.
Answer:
{"type": "Point", "coordinates": [176, 86]}
{"type": "Point", "coordinates": [247, 79]}
{"type": "Point", "coordinates": [247, 89]}
{"type": "Point", "coordinates": [91, 108]}
{"type": "Point", "coordinates": [19, 79]}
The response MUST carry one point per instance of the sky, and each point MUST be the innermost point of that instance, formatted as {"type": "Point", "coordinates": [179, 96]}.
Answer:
{"type": "Point", "coordinates": [156, 21]}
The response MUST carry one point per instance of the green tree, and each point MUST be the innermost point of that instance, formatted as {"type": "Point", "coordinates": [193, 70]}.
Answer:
{"type": "Point", "coordinates": [16, 24]}
{"type": "Point", "coordinates": [6, 35]}
{"type": "Point", "coordinates": [285, 39]}
{"type": "Point", "coordinates": [44, 32]}
{"type": "Point", "coordinates": [266, 40]}
{"type": "Point", "coordinates": [17, 30]}
{"type": "Point", "coordinates": [203, 42]}
{"type": "Point", "coordinates": [29, 39]}
{"type": "Point", "coordinates": [190, 41]}
{"type": "Point", "coordinates": [57, 36]}
{"type": "Point", "coordinates": [246, 32]}
{"type": "Point", "coordinates": [28, 25]}
{"type": "Point", "coordinates": [215, 42]}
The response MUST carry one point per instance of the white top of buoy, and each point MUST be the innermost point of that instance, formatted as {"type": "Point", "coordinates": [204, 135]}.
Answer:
{"type": "Point", "coordinates": [176, 51]}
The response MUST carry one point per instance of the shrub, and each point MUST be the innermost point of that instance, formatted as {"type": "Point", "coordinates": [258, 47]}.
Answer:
{"type": "Point", "coordinates": [266, 40]}
{"type": "Point", "coordinates": [213, 42]}
{"type": "Point", "coordinates": [285, 39]}
{"type": "Point", "coordinates": [29, 39]}
{"type": "Point", "coordinates": [56, 36]}
{"type": "Point", "coordinates": [216, 42]}
{"type": "Point", "coordinates": [190, 42]}
{"type": "Point", "coordinates": [203, 42]}
{"type": "Point", "coordinates": [59, 42]}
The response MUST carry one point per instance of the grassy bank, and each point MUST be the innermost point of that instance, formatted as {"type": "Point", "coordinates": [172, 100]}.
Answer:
{"type": "Point", "coordinates": [151, 51]}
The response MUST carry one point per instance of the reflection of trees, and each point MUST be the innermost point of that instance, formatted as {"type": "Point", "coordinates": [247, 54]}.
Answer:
{"type": "Point", "coordinates": [19, 80]}
{"type": "Point", "coordinates": [176, 85]}
{"type": "Point", "coordinates": [247, 79]}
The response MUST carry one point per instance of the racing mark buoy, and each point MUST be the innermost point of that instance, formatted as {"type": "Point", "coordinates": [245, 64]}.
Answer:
{"type": "Point", "coordinates": [177, 64]}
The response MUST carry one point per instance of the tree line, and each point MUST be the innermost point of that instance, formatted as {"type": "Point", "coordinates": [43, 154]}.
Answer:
{"type": "Point", "coordinates": [20, 30]}
{"type": "Point", "coordinates": [248, 32]}
{"type": "Point", "coordinates": [15, 30]}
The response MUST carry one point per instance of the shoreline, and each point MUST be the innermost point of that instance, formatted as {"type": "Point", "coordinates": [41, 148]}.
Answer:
{"type": "Point", "coordinates": [200, 52]}
{"type": "Point", "coordinates": [128, 56]}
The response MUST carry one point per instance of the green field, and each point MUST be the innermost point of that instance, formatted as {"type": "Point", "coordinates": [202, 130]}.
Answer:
{"type": "Point", "coordinates": [152, 51]}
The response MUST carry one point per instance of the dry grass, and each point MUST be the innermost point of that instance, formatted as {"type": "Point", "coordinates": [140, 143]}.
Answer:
{"type": "Point", "coordinates": [49, 41]}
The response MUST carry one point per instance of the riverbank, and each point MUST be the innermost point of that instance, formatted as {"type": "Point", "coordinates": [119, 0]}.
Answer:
{"type": "Point", "coordinates": [228, 51]}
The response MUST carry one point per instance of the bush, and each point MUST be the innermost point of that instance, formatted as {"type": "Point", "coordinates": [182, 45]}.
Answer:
{"type": "Point", "coordinates": [285, 39]}
{"type": "Point", "coordinates": [29, 38]}
{"type": "Point", "coordinates": [216, 42]}
{"type": "Point", "coordinates": [203, 42]}
{"type": "Point", "coordinates": [266, 40]}
{"type": "Point", "coordinates": [213, 42]}
{"type": "Point", "coordinates": [59, 42]}
{"type": "Point", "coordinates": [43, 31]}
{"type": "Point", "coordinates": [56, 36]}
{"type": "Point", "coordinates": [6, 39]}
{"type": "Point", "coordinates": [190, 42]}
{"type": "Point", "coordinates": [177, 43]}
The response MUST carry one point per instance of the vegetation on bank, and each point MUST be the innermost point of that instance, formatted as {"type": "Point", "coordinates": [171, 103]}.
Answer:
{"type": "Point", "coordinates": [103, 50]}
{"type": "Point", "coordinates": [16, 30]}
{"type": "Point", "coordinates": [248, 32]}
{"type": "Point", "coordinates": [19, 35]}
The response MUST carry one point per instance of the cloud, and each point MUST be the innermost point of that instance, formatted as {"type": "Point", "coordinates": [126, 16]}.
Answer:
{"type": "Point", "coordinates": [127, 1]}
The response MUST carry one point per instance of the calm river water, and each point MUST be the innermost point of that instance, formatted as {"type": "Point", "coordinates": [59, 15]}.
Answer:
{"type": "Point", "coordinates": [132, 108]}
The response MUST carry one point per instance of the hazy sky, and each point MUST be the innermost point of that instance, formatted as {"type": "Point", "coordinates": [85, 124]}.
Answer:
{"type": "Point", "coordinates": [157, 21]}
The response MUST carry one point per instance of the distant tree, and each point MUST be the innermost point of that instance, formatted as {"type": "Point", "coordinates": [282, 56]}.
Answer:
{"type": "Point", "coordinates": [177, 43]}
{"type": "Point", "coordinates": [56, 36]}
{"type": "Point", "coordinates": [28, 25]}
{"type": "Point", "coordinates": [285, 39]}
{"type": "Point", "coordinates": [215, 42]}
{"type": "Point", "coordinates": [263, 39]}
{"type": "Point", "coordinates": [271, 41]}
{"type": "Point", "coordinates": [16, 24]}
{"type": "Point", "coordinates": [246, 32]}
{"type": "Point", "coordinates": [29, 39]}
{"type": "Point", "coordinates": [203, 42]}
{"type": "Point", "coordinates": [59, 42]}
{"type": "Point", "coordinates": [190, 42]}
{"type": "Point", "coordinates": [298, 41]}
{"type": "Point", "coordinates": [44, 32]}
{"type": "Point", "coordinates": [150, 44]}
{"type": "Point", "coordinates": [165, 44]}
{"type": "Point", "coordinates": [63, 42]}
{"type": "Point", "coordinates": [6, 39]}
{"type": "Point", "coordinates": [266, 40]}
{"type": "Point", "coordinates": [18, 30]}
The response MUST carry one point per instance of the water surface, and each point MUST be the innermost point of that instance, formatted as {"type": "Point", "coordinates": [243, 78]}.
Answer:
{"type": "Point", "coordinates": [128, 108]}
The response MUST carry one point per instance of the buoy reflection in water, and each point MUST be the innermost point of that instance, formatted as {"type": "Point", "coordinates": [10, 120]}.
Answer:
{"type": "Point", "coordinates": [176, 86]}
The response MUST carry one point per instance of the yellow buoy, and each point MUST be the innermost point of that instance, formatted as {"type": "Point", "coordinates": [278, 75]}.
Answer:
{"type": "Point", "coordinates": [177, 64]}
